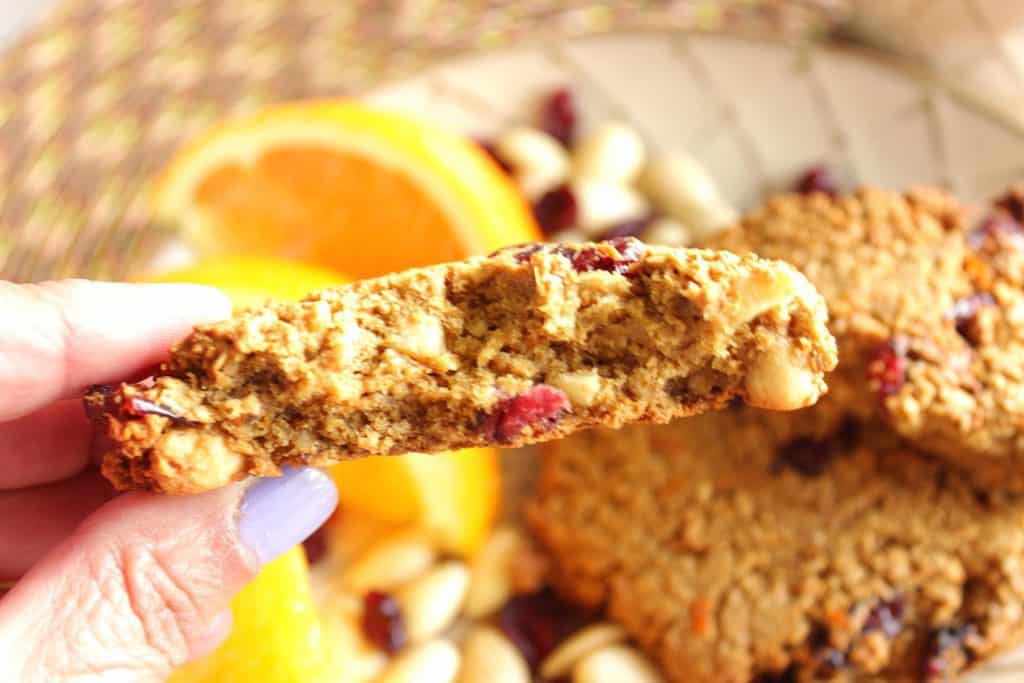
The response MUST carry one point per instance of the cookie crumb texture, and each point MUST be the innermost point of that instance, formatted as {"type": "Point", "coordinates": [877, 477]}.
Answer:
{"type": "Point", "coordinates": [740, 547]}
{"type": "Point", "coordinates": [927, 307]}
{"type": "Point", "coordinates": [528, 344]}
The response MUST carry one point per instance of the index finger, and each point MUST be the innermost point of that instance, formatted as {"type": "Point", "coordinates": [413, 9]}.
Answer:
{"type": "Point", "coordinates": [59, 337]}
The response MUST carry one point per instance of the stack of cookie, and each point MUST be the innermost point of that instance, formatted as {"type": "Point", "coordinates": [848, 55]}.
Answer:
{"type": "Point", "coordinates": [877, 536]}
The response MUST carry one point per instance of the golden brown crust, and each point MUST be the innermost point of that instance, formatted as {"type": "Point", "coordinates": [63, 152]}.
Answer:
{"type": "Point", "coordinates": [926, 310]}
{"type": "Point", "coordinates": [736, 548]}
{"type": "Point", "coordinates": [529, 344]}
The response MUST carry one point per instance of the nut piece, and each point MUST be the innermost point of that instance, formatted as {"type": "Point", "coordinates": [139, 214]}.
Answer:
{"type": "Point", "coordinates": [680, 187]}
{"type": "Point", "coordinates": [539, 162]}
{"type": "Point", "coordinates": [489, 584]}
{"type": "Point", "coordinates": [581, 387]}
{"type": "Point", "coordinates": [489, 657]}
{"type": "Point", "coordinates": [668, 232]}
{"type": "Point", "coordinates": [775, 382]}
{"type": "Point", "coordinates": [601, 205]}
{"type": "Point", "coordinates": [613, 152]}
{"type": "Point", "coordinates": [762, 291]}
{"type": "Point", "coordinates": [436, 662]}
{"type": "Point", "coordinates": [560, 662]}
{"type": "Point", "coordinates": [424, 341]}
{"type": "Point", "coordinates": [431, 602]}
{"type": "Point", "coordinates": [390, 563]}
{"type": "Point", "coordinates": [615, 664]}
{"type": "Point", "coordinates": [191, 460]}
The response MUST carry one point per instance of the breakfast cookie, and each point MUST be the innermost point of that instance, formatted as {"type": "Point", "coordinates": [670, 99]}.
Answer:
{"type": "Point", "coordinates": [528, 344]}
{"type": "Point", "coordinates": [735, 548]}
{"type": "Point", "coordinates": [928, 314]}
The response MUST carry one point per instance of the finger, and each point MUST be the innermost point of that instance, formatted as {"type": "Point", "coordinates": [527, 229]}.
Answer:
{"type": "Point", "coordinates": [37, 519]}
{"type": "Point", "coordinates": [133, 593]}
{"type": "Point", "coordinates": [73, 333]}
{"type": "Point", "coordinates": [47, 446]}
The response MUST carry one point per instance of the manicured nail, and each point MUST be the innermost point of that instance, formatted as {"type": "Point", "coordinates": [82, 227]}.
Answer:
{"type": "Point", "coordinates": [280, 512]}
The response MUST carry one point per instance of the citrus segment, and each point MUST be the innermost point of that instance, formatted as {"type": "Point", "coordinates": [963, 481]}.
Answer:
{"type": "Point", "coordinates": [342, 185]}
{"type": "Point", "coordinates": [276, 636]}
{"type": "Point", "coordinates": [454, 496]}
{"type": "Point", "coordinates": [251, 281]}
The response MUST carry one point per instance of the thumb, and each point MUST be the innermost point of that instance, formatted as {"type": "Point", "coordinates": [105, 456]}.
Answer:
{"type": "Point", "coordinates": [144, 584]}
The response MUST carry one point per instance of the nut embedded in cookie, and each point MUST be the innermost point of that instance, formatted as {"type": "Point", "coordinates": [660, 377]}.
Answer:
{"type": "Point", "coordinates": [528, 344]}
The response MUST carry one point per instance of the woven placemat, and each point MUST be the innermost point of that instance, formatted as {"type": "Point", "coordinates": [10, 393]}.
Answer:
{"type": "Point", "coordinates": [95, 100]}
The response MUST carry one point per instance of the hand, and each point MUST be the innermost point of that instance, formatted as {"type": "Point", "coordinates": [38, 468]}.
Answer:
{"type": "Point", "coordinates": [125, 587]}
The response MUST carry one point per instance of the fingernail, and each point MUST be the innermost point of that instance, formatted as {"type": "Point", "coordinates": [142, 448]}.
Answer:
{"type": "Point", "coordinates": [280, 512]}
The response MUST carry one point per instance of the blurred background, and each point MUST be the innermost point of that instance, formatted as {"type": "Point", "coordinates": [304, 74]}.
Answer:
{"type": "Point", "coordinates": [96, 95]}
{"type": "Point", "coordinates": [270, 147]}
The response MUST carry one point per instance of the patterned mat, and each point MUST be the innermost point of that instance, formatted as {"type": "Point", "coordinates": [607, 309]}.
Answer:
{"type": "Point", "coordinates": [95, 100]}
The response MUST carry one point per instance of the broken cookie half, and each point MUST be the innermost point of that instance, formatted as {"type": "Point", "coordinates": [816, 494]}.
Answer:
{"type": "Point", "coordinates": [529, 344]}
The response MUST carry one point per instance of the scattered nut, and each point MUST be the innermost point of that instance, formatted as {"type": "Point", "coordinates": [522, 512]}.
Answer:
{"type": "Point", "coordinates": [679, 186]}
{"type": "Point", "coordinates": [668, 232]}
{"type": "Point", "coordinates": [710, 219]}
{"type": "Point", "coordinates": [601, 204]}
{"type": "Point", "coordinates": [489, 657]}
{"type": "Point", "coordinates": [390, 563]}
{"type": "Point", "coordinates": [434, 662]}
{"type": "Point", "coordinates": [560, 662]}
{"type": "Point", "coordinates": [775, 382]}
{"type": "Point", "coordinates": [613, 152]}
{"type": "Point", "coordinates": [615, 664]}
{"type": "Point", "coordinates": [431, 602]}
{"type": "Point", "coordinates": [539, 162]}
{"type": "Point", "coordinates": [489, 585]}
{"type": "Point", "coordinates": [581, 387]}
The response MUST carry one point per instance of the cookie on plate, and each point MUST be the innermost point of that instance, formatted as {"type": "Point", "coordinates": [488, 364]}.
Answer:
{"type": "Point", "coordinates": [736, 548]}
{"type": "Point", "coordinates": [927, 310]}
{"type": "Point", "coordinates": [528, 344]}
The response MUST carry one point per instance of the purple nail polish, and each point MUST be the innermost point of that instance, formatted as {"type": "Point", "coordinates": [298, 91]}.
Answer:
{"type": "Point", "coordinates": [280, 512]}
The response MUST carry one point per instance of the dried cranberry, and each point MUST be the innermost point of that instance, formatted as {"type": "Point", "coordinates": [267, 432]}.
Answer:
{"type": "Point", "coordinates": [887, 371]}
{"type": "Point", "coordinates": [829, 659]}
{"type": "Point", "coordinates": [886, 617]}
{"type": "Point", "coordinates": [558, 116]}
{"type": "Point", "coordinates": [810, 457]}
{"type": "Point", "coordinates": [538, 407]}
{"type": "Point", "coordinates": [1012, 203]}
{"type": "Point", "coordinates": [382, 621]}
{"type": "Point", "coordinates": [537, 622]}
{"type": "Point", "coordinates": [491, 150]}
{"type": "Point", "coordinates": [591, 258]}
{"type": "Point", "coordinates": [316, 545]}
{"type": "Point", "coordinates": [946, 653]}
{"type": "Point", "coordinates": [1000, 228]}
{"type": "Point", "coordinates": [632, 228]}
{"type": "Point", "coordinates": [818, 178]}
{"type": "Point", "coordinates": [135, 405]}
{"type": "Point", "coordinates": [964, 313]}
{"type": "Point", "coordinates": [556, 210]}
{"type": "Point", "coordinates": [524, 254]}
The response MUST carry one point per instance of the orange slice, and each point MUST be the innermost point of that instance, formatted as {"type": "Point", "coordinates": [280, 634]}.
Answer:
{"type": "Point", "coordinates": [276, 636]}
{"type": "Point", "coordinates": [341, 185]}
{"type": "Point", "coordinates": [251, 281]}
{"type": "Point", "coordinates": [454, 496]}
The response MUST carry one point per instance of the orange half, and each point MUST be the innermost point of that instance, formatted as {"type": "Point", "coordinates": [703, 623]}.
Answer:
{"type": "Point", "coordinates": [342, 185]}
